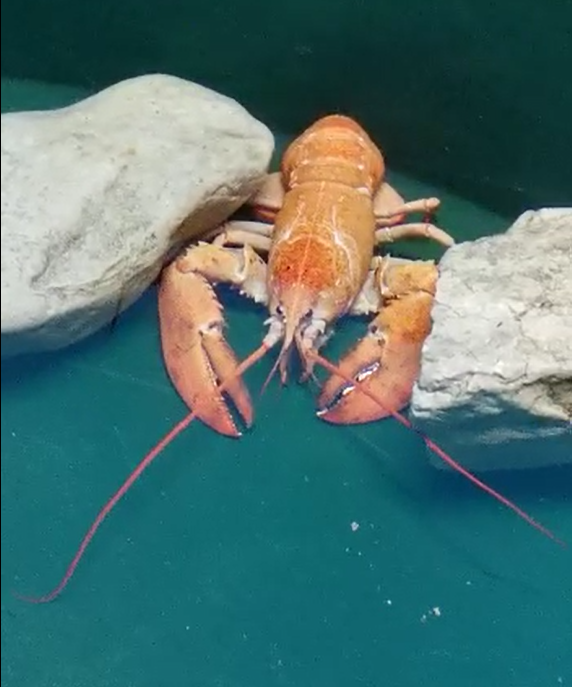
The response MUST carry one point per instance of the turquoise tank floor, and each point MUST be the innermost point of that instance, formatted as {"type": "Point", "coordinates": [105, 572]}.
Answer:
{"type": "Point", "coordinates": [302, 555]}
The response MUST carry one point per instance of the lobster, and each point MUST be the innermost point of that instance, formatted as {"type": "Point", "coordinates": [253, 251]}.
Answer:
{"type": "Point", "coordinates": [319, 220]}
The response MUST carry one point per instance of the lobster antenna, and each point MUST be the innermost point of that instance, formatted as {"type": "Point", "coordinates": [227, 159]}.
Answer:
{"type": "Point", "coordinates": [248, 362]}
{"type": "Point", "coordinates": [334, 369]}
{"type": "Point", "coordinates": [253, 358]}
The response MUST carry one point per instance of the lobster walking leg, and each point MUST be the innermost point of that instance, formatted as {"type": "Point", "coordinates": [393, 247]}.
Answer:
{"type": "Point", "coordinates": [413, 230]}
{"type": "Point", "coordinates": [242, 233]}
{"type": "Point", "coordinates": [270, 197]}
{"type": "Point", "coordinates": [390, 210]}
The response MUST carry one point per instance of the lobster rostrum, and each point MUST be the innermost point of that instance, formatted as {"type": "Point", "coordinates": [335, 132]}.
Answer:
{"type": "Point", "coordinates": [319, 222]}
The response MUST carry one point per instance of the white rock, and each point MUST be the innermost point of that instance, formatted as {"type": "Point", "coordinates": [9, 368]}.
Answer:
{"type": "Point", "coordinates": [94, 196]}
{"type": "Point", "coordinates": [495, 388]}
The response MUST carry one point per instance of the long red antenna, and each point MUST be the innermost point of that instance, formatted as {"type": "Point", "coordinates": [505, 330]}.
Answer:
{"type": "Point", "coordinates": [324, 362]}
{"type": "Point", "coordinates": [132, 478]}
{"type": "Point", "coordinates": [180, 426]}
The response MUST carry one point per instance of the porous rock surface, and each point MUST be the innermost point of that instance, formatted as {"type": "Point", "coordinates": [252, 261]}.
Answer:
{"type": "Point", "coordinates": [96, 195]}
{"type": "Point", "coordinates": [495, 388]}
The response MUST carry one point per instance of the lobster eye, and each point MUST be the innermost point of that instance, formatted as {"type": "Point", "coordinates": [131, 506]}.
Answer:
{"type": "Point", "coordinates": [279, 310]}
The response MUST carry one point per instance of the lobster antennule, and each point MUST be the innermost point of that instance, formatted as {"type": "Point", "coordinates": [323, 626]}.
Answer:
{"type": "Point", "coordinates": [334, 369]}
{"type": "Point", "coordinates": [248, 362]}
{"type": "Point", "coordinates": [282, 355]}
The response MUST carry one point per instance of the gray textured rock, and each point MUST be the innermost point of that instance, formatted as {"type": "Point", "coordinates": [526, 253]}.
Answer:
{"type": "Point", "coordinates": [495, 387]}
{"type": "Point", "coordinates": [95, 195]}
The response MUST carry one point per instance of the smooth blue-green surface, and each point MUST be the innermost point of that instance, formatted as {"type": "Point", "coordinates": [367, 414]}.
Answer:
{"type": "Point", "coordinates": [234, 563]}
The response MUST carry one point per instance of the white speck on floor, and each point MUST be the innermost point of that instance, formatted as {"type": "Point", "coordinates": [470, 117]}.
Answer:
{"type": "Point", "coordinates": [355, 526]}
{"type": "Point", "coordinates": [435, 611]}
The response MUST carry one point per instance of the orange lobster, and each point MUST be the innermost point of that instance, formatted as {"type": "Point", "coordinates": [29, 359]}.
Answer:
{"type": "Point", "coordinates": [329, 207]}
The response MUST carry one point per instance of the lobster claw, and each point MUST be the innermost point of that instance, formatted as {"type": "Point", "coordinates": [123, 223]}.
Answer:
{"type": "Point", "coordinates": [196, 354]}
{"type": "Point", "coordinates": [387, 360]}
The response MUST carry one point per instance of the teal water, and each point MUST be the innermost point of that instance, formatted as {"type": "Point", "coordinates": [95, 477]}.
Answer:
{"type": "Point", "coordinates": [234, 563]}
